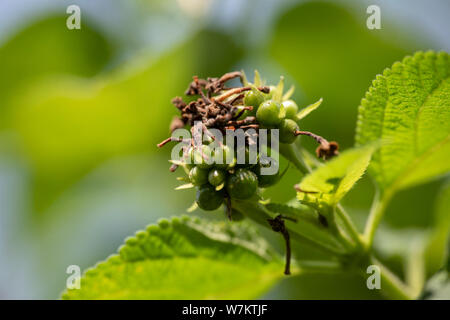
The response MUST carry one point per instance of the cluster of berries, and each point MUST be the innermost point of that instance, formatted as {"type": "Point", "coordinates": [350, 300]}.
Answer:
{"type": "Point", "coordinates": [275, 110]}
{"type": "Point", "coordinates": [212, 166]}
{"type": "Point", "coordinates": [224, 178]}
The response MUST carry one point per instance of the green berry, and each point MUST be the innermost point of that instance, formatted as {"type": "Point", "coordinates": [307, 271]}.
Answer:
{"type": "Point", "coordinates": [253, 98]}
{"type": "Point", "coordinates": [291, 109]}
{"type": "Point", "coordinates": [268, 114]}
{"type": "Point", "coordinates": [242, 184]}
{"type": "Point", "coordinates": [216, 177]}
{"type": "Point", "coordinates": [288, 128]}
{"type": "Point", "coordinates": [198, 176]}
{"type": "Point", "coordinates": [265, 180]}
{"type": "Point", "coordinates": [208, 198]}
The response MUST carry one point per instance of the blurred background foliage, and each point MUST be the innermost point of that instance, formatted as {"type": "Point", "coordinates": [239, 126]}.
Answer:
{"type": "Point", "coordinates": [81, 112]}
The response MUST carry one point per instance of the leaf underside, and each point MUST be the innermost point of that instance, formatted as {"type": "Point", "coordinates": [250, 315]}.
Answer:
{"type": "Point", "coordinates": [408, 109]}
{"type": "Point", "coordinates": [184, 259]}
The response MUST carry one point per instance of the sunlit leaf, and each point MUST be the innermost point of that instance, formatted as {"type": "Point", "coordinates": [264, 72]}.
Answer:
{"type": "Point", "coordinates": [408, 109]}
{"type": "Point", "coordinates": [257, 80]}
{"type": "Point", "coordinates": [277, 93]}
{"type": "Point", "coordinates": [185, 186]}
{"type": "Point", "coordinates": [330, 183]}
{"type": "Point", "coordinates": [289, 93]}
{"type": "Point", "coordinates": [307, 110]}
{"type": "Point", "coordinates": [185, 259]}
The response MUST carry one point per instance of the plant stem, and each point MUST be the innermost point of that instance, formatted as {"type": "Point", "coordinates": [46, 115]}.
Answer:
{"type": "Point", "coordinates": [415, 268]}
{"type": "Point", "coordinates": [349, 225]}
{"type": "Point", "coordinates": [379, 206]}
{"type": "Point", "coordinates": [391, 286]}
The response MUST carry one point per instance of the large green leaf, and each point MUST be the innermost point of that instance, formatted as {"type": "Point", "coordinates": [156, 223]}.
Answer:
{"type": "Point", "coordinates": [330, 183]}
{"type": "Point", "coordinates": [185, 259]}
{"type": "Point", "coordinates": [408, 109]}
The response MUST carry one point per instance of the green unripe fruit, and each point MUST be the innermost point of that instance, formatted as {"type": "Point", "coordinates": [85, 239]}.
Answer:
{"type": "Point", "coordinates": [266, 180]}
{"type": "Point", "coordinates": [242, 184]}
{"type": "Point", "coordinates": [198, 176]}
{"type": "Point", "coordinates": [253, 98]}
{"type": "Point", "coordinates": [216, 177]}
{"type": "Point", "coordinates": [202, 157]}
{"type": "Point", "coordinates": [208, 198]}
{"type": "Point", "coordinates": [288, 128]}
{"type": "Point", "coordinates": [291, 109]}
{"type": "Point", "coordinates": [268, 114]}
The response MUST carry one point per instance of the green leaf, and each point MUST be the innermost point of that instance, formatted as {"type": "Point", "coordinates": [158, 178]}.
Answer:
{"type": "Point", "coordinates": [244, 78]}
{"type": "Point", "coordinates": [306, 223]}
{"type": "Point", "coordinates": [185, 186]}
{"type": "Point", "coordinates": [437, 246]}
{"type": "Point", "coordinates": [408, 109]}
{"type": "Point", "coordinates": [329, 183]}
{"type": "Point", "coordinates": [185, 259]}
{"type": "Point", "coordinates": [310, 234]}
{"type": "Point", "coordinates": [301, 212]}
{"type": "Point", "coordinates": [257, 80]}
{"type": "Point", "coordinates": [277, 93]}
{"type": "Point", "coordinates": [288, 93]}
{"type": "Point", "coordinates": [307, 110]}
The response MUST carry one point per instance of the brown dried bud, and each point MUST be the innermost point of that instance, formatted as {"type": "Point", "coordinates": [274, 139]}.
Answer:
{"type": "Point", "coordinates": [178, 103]}
{"type": "Point", "coordinates": [196, 86]}
{"type": "Point", "coordinates": [327, 150]}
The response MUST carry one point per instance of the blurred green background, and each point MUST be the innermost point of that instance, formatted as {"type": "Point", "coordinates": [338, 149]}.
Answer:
{"type": "Point", "coordinates": [81, 112]}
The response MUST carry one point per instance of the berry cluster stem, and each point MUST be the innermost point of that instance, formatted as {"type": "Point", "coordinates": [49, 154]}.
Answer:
{"type": "Point", "coordinates": [391, 286]}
